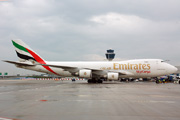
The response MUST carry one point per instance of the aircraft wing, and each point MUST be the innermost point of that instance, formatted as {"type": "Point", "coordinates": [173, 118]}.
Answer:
{"type": "Point", "coordinates": [66, 68]}
{"type": "Point", "coordinates": [122, 72]}
{"type": "Point", "coordinates": [94, 71]}
{"type": "Point", "coordinates": [19, 63]}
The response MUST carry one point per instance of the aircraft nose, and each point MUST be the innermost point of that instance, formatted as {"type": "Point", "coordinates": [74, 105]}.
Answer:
{"type": "Point", "coordinates": [173, 69]}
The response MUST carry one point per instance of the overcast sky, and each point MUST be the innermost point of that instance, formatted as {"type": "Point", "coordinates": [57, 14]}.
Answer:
{"type": "Point", "coordinates": [78, 30]}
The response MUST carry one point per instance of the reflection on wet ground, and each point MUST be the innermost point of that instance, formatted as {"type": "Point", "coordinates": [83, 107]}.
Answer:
{"type": "Point", "coordinates": [66, 100]}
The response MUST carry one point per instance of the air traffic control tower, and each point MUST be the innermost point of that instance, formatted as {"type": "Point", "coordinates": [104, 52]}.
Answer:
{"type": "Point", "coordinates": [110, 54]}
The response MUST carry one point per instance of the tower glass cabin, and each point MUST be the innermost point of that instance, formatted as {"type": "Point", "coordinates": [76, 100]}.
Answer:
{"type": "Point", "coordinates": [110, 54]}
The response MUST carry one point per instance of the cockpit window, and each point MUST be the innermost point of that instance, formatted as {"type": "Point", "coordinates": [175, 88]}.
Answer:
{"type": "Point", "coordinates": [165, 60]}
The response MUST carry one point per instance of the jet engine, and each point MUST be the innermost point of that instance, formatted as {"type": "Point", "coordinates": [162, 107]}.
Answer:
{"type": "Point", "coordinates": [85, 73]}
{"type": "Point", "coordinates": [112, 76]}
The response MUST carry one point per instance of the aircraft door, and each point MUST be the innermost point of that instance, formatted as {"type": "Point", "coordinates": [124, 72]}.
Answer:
{"type": "Point", "coordinates": [157, 64]}
{"type": "Point", "coordinates": [160, 67]}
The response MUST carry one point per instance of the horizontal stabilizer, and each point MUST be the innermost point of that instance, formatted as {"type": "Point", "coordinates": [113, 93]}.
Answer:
{"type": "Point", "coordinates": [19, 63]}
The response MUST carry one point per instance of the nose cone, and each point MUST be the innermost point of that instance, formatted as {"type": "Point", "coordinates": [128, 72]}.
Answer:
{"type": "Point", "coordinates": [172, 69]}
{"type": "Point", "coordinates": [175, 69]}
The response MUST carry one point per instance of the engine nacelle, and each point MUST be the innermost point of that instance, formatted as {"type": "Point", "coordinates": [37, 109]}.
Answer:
{"type": "Point", "coordinates": [112, 76]}
{"type": "Point", "coordinates": [85, 73]}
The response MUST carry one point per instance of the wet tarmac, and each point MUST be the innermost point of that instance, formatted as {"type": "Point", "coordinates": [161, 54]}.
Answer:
{"type": "Point", "coordinates": [65, 100]}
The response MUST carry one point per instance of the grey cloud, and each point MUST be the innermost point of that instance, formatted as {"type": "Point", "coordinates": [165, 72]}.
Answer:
{"type": "Point", "coordinates": [67, 30]}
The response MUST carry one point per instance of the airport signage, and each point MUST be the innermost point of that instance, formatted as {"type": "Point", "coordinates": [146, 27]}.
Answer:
{"type": "Point", "coordinates": [5, 73]}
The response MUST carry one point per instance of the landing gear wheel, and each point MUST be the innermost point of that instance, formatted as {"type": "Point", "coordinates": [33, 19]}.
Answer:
{"type": "Point", "coordinates": [157, 81]}
{"type": "Point", "coordinates": [95, 81]}
{"type": "Point", "coordinates": [90, 81]}
{"type": "Point", "coordinates": [100, 81]}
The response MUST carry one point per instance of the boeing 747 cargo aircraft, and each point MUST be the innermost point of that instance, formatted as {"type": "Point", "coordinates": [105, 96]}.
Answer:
{"type": "Point", "coordinates": [93, 71]}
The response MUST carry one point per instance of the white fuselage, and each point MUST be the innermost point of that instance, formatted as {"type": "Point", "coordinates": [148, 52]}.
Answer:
{"type": "Point", "coordinates": [141, 68]}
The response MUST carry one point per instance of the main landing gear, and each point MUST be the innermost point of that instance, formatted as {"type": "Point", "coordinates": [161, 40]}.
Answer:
{"type": "Point", "coordinates": [95, 81]}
